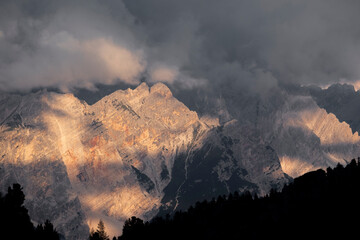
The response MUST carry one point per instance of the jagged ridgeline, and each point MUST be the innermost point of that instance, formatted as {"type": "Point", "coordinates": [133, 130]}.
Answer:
{"type": "Point", "coordinates": [141, 152]}
{"type": "Point", "coordinates": [134, 152]}
{"type": "Point", "coordinates": [318, 205]}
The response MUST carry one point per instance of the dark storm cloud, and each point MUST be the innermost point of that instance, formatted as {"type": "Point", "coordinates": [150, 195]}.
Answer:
{"type": "Point", "coordinates": [191, 43]}
{"type": "Point", "coordinates": [256, 42]}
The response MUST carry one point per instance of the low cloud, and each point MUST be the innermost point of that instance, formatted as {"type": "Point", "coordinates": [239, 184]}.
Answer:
{"type": "Point", "coordinates": [163, 74]}
{"type": "Point", "coordinates": [302, 42]}
{"type": "Point", "coordinates": [230, 44]}
{"type": "Point", "coordinates": [67, 62]}
{"type": "Point", "coordinates": [67, 45]}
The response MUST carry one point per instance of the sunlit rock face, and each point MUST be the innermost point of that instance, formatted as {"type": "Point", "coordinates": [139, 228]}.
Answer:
{"type": "Point", "coordinates": [142, 152]}
{"type": "Point", "coordinates": [341, 100]}
{"type": "Point", "coordinates": [128, 154]}
{"type": "Point", "coordinates": [30, 155]}
{"type": "Point", "coordinates": [110, 160]}
{"type": "Point", "coordinates": [306, 137]}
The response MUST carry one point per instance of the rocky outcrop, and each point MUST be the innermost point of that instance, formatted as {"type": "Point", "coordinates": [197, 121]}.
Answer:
{"type": "Point", "coordinates": [142, 152]}
{"type": "Point", "coordinates": [30, 155]}
{"type": "Point", "coordinates": [289, 119]}
{"type": "Point", "coordinates": [341, 100]}
{"type": "Point", "coordinates": [125, 155]}
{"type": "Point", "coordinates": [306, 137]}
{"type": "Point", "coordinates": [229, 159]}
{"type": "Point", "coordinates": [111, 159]}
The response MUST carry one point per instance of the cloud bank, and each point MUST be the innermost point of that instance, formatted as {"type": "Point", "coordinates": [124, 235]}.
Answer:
{"type": "Point", "coordinates": [218, 44]}
{"type": "Point", "coordinates": [67, 44]}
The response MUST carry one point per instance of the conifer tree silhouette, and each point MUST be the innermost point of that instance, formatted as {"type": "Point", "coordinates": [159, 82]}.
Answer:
{"type": "Point", "coordinates": [14, 215]}
{"type": "Point", "coordinates": [46, 231]}
{"type": "Point", "coordinates": [15, 221]}
{"type": "Point", "coordinates": [100, 233]}
{"type": "Point", "coordinates": [133, 228]}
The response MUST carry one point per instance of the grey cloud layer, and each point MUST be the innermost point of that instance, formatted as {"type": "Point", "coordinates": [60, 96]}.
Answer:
{"type": "Point", "coordinates": [240, 44]}
{"type": "Point", "coordinates": [298, 41]}
{"type": "Point", "coordinates": [66, 44]}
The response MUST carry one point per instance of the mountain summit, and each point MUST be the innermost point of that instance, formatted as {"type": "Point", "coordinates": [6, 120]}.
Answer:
{"type": "Point", "coordinates": [79, 163]}
{"type": "Point", "coordinates": [142, 152]}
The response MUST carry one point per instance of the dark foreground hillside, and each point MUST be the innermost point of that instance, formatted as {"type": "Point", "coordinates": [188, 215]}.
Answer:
{"type": "Point", "coordinates": [317, 205]}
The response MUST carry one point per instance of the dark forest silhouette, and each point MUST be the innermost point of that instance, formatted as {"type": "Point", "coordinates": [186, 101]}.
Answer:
{"type": "Point", "coordinates": [318, 205]}
{"type": "Point", "coordinates": [15, 221]}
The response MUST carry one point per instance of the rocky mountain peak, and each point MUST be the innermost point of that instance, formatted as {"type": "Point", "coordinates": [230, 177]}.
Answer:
{"type": "Point", "coordinates": [141, 152]}
{"type": "Point", "coordinates": [116, 155]}
{"type": "Point", "coordinates": [161, 89]}
{"type": "Point", "coordinates": [143, 88]}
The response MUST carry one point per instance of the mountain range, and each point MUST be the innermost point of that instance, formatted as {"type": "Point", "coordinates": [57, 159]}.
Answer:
{"type": "Point", "coordinates": [142, 152]}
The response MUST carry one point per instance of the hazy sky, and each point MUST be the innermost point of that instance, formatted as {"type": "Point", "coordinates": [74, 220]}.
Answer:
{"type": "Point", "coordinates": [252, 44]}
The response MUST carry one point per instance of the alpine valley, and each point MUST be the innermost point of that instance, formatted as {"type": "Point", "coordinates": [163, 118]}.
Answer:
{"type": "Point", "coordinates": [141, 152]}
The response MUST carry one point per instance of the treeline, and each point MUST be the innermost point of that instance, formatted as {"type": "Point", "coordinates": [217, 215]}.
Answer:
{"type": "Point", "coordinates": [15, 221]}
{"type": "Point", "coordinates": [320, 204]}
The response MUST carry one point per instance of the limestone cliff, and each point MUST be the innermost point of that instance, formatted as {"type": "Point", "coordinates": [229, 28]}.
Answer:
{"type": "Point", "coordinates": [142, 152]}
{"type": "Point", "coordinates": [306, 137]}
{"type": "Point", "coordinates": [110, 160]}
